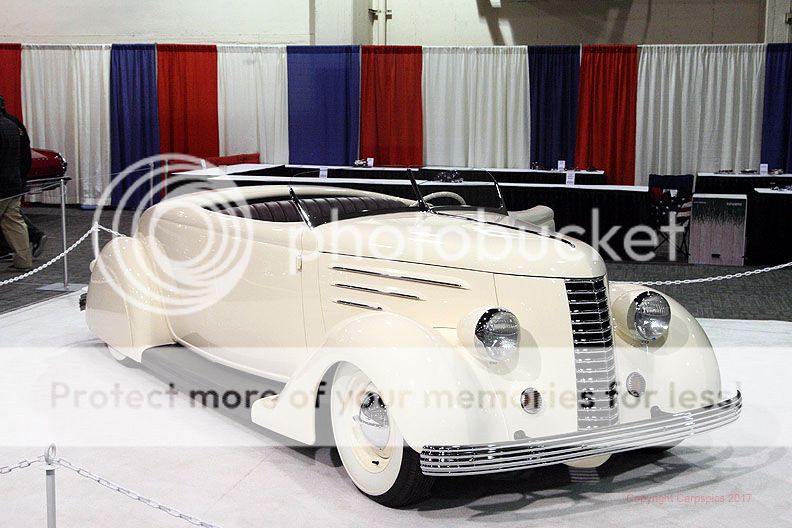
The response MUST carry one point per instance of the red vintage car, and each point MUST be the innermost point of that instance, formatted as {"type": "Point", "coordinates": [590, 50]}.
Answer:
{"type": "Point", "coordinates": [46, 164]}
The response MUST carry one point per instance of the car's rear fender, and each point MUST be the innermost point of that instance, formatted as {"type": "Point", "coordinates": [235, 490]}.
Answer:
{"type": "Point", "coordinates": [122, 306]}
{"type": "Point", "coordinates": [428, 385]}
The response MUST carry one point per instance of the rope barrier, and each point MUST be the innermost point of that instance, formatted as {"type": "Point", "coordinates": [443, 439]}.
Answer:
{"type": "Point", "coordinates": [94, 228]}
{"type": "Point", "coordinates": [678, 282]}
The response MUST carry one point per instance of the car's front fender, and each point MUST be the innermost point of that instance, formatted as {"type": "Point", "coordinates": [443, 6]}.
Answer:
{"type": "Point", "coordinates": [681, 370]}
{"type": "Point", "coordinates": [429, 386]}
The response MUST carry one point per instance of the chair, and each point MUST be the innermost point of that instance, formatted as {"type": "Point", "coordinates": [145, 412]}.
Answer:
{"type": "Point", "coordinates": [671, 203]}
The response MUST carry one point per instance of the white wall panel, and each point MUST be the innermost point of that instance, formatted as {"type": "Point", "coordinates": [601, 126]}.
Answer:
{"type": "Point", "coordinates": [168, 21]}
{"type": "Point", "coordinates": [252, 100]}
{"type": "Point", "coordinates": [66, 104]}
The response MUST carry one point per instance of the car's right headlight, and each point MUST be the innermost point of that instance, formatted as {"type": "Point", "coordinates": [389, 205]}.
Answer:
{"type": "Point", "coordinates": [492, 334]}
{"type": "Point", "coordinates": [649, 316]}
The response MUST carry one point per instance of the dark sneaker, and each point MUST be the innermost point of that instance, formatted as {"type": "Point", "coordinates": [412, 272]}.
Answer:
{"type": "Point", "coordinates": [14, 269]}
{"type": "Point", "coordinates": [6, 257]}
{"type": "Point", "coordinates": [38, 245]}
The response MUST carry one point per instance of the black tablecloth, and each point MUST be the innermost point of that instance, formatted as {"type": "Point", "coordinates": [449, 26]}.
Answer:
{"type": "Point", "coordinates": [737, 183]}
{"type": "Point", "coordinates": [581, 178]}
{"type": "Point", "coordinates": [596, 211]}
{"type": "Point", "coordinates": [769, 229]}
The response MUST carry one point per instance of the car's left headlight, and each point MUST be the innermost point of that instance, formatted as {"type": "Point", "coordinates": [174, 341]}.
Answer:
{"type": "Point", "coordinates": [649, 316]}
{"type": "Point", "coordinates": [492, 334]}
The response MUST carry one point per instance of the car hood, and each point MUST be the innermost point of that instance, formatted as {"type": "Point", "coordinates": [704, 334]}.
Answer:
{"type": "Point", "coordinates": [471, 240]}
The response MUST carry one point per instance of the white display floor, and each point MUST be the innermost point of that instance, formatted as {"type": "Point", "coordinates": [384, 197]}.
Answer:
{"type": "Point", "coordinates": [58, 384]}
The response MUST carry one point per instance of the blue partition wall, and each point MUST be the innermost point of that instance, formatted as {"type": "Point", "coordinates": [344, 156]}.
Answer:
{"type": "Point", "coordinates": [777, 124]}
{"type": "Point", "coordinates": [324, 104]}
{"type": "Point", "coordinates": [554, 74]}
{"type": "Point", "coordinates": [134, 123]}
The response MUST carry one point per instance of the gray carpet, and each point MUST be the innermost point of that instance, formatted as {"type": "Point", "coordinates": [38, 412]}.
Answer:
{"type": "Point", "coordinates": [762, 297]}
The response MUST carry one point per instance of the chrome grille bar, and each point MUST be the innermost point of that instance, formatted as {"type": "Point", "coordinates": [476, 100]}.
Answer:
{"type": "Point", "coordinates": [595, 364]}
{"type": "Point", "coordinates": [662, 429]}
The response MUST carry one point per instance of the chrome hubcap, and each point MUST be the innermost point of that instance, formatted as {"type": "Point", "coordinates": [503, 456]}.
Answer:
{"type": "Point", "coordinates": [373, 420]}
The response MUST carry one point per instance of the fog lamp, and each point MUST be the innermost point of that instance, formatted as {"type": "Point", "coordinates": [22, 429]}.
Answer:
{"type": "Point", "coordinates": [636, 384]}
{"type": "Point", "coordinates": [531, 400]}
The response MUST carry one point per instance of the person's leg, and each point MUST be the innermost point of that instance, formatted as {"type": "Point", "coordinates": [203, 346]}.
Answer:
{"type": "Point", "coordinates": [5, 249]}
{"type": "Point", "coordinates": [16, 233]}
{"type": "Point", "coordinates": [38, 238]}
{"type": "Point", "coordinates": [34, 233]}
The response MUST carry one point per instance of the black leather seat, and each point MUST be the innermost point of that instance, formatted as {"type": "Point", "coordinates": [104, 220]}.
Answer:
{"type": "Point", "coordinates": [317, 208]}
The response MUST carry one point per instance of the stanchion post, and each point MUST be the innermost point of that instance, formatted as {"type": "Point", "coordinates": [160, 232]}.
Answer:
{"type": "Point", "coordinates": [63, 233]}
{"type": "Point", "coordinates": [95, 240]}
{"type": "Point", "coordinates": [49, 459]}
{"type": "Point", "coordinates": [151, 182]}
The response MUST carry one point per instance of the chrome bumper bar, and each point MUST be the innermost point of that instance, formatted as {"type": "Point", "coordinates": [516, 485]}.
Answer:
{"type": "Point", "coordinates": [662, 429]}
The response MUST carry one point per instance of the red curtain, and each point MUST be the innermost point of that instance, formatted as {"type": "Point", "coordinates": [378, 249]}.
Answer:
{"type": "Point", "coordinates": [10, 77]}
{"type": "Point", "coordinates": [606, 111]}
{"type": "Point", "coordinates": [187, 93]}
{"type": "Point", "coordinates": [391, 113]}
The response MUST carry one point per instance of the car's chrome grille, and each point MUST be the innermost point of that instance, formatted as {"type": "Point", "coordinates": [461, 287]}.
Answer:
{"type": "Point", "coordinates": [595, 365]}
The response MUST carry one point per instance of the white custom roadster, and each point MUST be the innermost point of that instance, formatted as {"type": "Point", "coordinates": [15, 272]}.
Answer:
{"type": "Point", "coordinates": [449, 336]}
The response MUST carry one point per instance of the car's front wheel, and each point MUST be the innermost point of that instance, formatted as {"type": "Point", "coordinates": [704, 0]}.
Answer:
{"type": "Point", "coordinates": [372, 449]}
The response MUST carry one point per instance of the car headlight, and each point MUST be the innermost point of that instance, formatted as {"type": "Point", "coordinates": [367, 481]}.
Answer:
{"type": "Point", "coordinates": [649, 316]}
{"type": "Point", "coordinates": [497, 335]}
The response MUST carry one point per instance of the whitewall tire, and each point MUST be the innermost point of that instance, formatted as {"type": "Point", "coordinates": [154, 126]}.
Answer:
{"type": "Point", "coordinates": [369, 442]}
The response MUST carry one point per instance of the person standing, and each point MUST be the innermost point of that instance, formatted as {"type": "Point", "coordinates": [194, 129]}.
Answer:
{"type": "Point", "coordinates": [11, 187]}
{"type": "Point", "coordinates": [37, 237]}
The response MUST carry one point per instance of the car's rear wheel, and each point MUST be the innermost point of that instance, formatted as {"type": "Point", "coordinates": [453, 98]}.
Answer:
{"type": "Point", "coordinates": [372, 449]}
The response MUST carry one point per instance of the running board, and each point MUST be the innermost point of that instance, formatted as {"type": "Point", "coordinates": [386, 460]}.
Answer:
{"type": "Point", "coordinates": [209, 383]}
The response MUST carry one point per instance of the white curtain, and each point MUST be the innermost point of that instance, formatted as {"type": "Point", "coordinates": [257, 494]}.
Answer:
{"type": "Point", "coordinates": [699, 109]}
{"type": "Point", "coordinates": [252, 101]}
{"type": "Point", "coordinates": [66, 106]}
{"type": "Point", "coordinates": [475, 106]}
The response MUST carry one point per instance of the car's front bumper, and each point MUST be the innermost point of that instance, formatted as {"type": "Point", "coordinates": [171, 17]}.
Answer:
{"type": "Point", "coordinates": [662, 429]}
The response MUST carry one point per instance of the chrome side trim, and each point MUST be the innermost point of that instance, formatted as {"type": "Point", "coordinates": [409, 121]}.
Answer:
{"type": "Point", "coordinates": [662, 429]}
{"type": "Point", "coordinates": [365, 289]}
{"type": "Point", "coordinates": [354, 304]}
{"type": "Point", "coordinates": [407, 278]}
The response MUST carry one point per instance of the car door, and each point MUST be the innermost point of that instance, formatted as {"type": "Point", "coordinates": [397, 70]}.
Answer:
{"type": "Point", "coordinates": [257, 323]}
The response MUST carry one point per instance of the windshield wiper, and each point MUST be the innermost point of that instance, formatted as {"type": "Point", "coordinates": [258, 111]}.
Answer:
{"type": "Point", "coordinates": [422, 205]}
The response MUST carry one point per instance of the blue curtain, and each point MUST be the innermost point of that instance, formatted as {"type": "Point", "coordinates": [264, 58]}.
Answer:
{"type": "Point", "coordinates": [324, 104]}
{"type": "Point", "coordinates": [777, 124]}
{"type": "Point", "coordinates": [554, 73]}
{"type": "Point", "coordinates": [134, 125]}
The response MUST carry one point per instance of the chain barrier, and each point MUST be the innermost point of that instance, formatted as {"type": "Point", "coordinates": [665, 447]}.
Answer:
{"type": "Point", "coordinates": [51, 460]}
{"type": "Point", "coordinates": [52, 261]}
{"type": "Point", "coordinates": [717, 278]}
{"type": "Point", "coordinates": [24, 464]}
{"type": "Point", "coordinates": [151, 503]}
